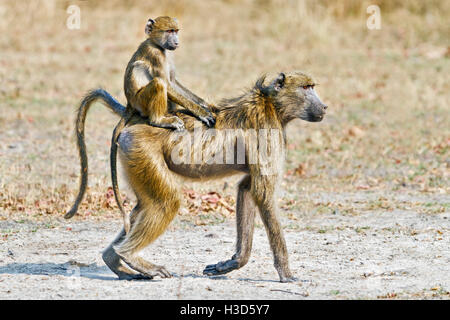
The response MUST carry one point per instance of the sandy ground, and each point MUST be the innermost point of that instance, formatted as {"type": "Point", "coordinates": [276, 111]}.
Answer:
{"type": "Point", "coordinates": [377, 254]}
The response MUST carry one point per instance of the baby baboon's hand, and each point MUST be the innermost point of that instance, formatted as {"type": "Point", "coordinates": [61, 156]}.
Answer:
{"type": "Point", "coordinates": [207, 118]}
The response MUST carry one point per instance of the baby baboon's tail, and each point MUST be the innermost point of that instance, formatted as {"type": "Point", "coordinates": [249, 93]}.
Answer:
{"type": "Point", "coordinates": [113, 105]}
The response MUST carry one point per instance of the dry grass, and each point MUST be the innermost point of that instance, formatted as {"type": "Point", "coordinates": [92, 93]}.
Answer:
{"type": "Point", "coordinates": [387, 130]}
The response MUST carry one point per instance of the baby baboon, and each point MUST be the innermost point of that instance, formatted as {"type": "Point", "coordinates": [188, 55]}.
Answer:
{"type": "Point", "coordinates": [150, 158]}
{"type": "Point", "coordinates": [152, 90]}
{"type": "Point", "coordinates": [150, 79]}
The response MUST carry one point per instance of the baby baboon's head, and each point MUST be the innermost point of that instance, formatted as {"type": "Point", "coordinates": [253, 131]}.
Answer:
{"type": "Point", "coordinates": [294, 96]}
{"type": "Point", "coordinates": [164, 32]}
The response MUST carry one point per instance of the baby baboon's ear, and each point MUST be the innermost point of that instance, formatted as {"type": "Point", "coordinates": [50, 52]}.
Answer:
{"type": "Point", "coordinates": [149, 26]}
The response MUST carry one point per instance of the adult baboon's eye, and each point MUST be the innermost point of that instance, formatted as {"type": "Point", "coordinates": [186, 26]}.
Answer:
{"type": "Point", "coordinates": [305, 87]}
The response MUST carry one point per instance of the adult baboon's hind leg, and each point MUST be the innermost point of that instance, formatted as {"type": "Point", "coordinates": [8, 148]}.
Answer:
{"type": "Point", "coordinates": [245, 223]}
{"type": "Point", "coordinates": [114, 261]}
{"type": "Point", "coordinates": [159, 201]}
{"type": "Point", "coordinates": [150, 223]}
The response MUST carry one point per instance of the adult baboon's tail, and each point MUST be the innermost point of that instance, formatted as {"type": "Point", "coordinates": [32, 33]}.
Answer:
{"type": "Point", "coordinates": [113, 161]}
{"type": "Point", "coordinates": [113, 105]}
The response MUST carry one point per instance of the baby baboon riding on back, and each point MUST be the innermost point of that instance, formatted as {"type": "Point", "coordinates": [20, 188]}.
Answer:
{"type": "Point", "coordinates": [152, 91]}
{"type": "Point", "coordinates": [149, 157]}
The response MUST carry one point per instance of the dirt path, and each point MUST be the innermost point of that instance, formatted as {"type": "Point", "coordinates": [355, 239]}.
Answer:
{"type": "Point", "coordinates": [397, 254]}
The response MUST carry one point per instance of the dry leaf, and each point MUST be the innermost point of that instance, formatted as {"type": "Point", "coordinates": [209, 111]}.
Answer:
{"type": "Point", "coordinates": [301, 169]}
{"type": "Point", "coordinates": [356, 132]}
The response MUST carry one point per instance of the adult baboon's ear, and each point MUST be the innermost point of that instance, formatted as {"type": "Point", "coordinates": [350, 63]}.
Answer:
{"type": "Point", "coordinates": [149, 26]}
{"type": "Point", "coordinates": [278, 83]}
{"type": "Point", "coordinates": [275, 86]}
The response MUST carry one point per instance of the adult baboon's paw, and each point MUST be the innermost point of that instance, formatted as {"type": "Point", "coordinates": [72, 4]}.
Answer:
{"type": "Point", "coordinates": [162, 272]}
{"type": "Point", "coordinates": [221, 268]}
{"type": "Point", "coordinates": [154, 272]}
{"type": "Point", "coordinates": [288, 279]}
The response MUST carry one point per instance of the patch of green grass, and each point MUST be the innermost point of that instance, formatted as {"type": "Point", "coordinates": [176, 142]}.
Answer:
{"type": "Point", "coordinates": [335, 292]}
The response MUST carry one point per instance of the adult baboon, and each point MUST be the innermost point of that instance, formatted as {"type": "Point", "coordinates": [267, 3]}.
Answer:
{"type": "Point", "coordinates": [150, 157]}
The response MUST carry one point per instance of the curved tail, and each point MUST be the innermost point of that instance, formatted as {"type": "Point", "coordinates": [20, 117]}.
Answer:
{"type": "Point", "coordinates": [113, 161]}
{"type": "Point", "coordinates": [113, 105]}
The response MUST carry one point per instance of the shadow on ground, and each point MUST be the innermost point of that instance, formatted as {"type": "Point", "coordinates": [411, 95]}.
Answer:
{"type": "Point", "coordinates": [68, 269]}
{"type": "Point", "coordinates": [90, 271]}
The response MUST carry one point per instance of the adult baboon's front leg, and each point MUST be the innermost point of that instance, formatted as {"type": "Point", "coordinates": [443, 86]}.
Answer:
{"type": "Point", "coordinates": [245, 223]}
{"type": "Point", "coordinates": [276, 239]}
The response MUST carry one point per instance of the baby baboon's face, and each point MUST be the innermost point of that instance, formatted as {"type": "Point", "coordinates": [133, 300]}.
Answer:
{"type": "Point", "coordinates": [298, 99]}
{"type": "Point", "coordinates": [164, 32]}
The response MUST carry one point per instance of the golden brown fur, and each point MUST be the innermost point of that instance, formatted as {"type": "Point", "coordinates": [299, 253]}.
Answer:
{"type": "Point", "coordinates": [147, 157]}
{"type": "Point", "coordinates": [150, 157]}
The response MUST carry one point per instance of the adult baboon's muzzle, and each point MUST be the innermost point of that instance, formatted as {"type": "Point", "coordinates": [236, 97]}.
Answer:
{"type": "Point", "coordinates": [317, 113]}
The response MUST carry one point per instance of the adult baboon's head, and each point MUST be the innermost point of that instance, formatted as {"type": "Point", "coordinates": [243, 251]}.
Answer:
{"type": "Point", "coordinates": [294, 96]}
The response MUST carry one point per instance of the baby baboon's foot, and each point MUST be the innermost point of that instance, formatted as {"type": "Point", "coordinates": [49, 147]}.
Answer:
{"type": "Point", "coordinates": [146, 268]}
{"type": "Point", "coordinates": [177, 124]}
{"type": "Point", "coordinates": [221, 267]}
{"type": "Point", "coordinates": [174, 123]}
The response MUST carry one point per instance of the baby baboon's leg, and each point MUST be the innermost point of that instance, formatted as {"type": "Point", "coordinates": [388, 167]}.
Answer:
{"type": "Point", "coordinates": [154, 98]}
{"type": "Point", "coordinates": [245, 220]}
{"type": "Point", "coordinates": [115, 263]}
{"type": "Point", "coordinates": [159, 201]}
